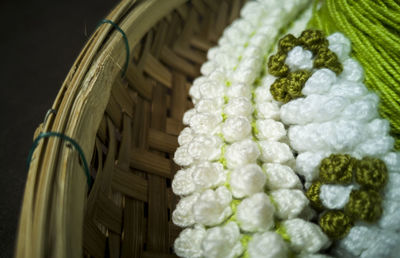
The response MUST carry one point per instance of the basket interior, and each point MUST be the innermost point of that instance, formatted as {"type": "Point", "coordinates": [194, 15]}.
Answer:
{"type": "Point", "coordinates": [129, 209]}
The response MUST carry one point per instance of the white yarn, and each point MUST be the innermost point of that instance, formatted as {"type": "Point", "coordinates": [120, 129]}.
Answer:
{"type": "Point", "coordinates": [208, 67]}
{"type": "Point", "coordinates": [205, 123]}
{"type": "Point", "coordinates": [348, 89]}
{"type": "Point", "coordinates": [334, 136]}
{"type": "Point", "coordinates": [188, 244]}
{"type": "Point", "coordinates": [222, 242]}
{"type": "Point", "coordinates": [182, 156]}
{"type": "Point", "coordinates": [183, 183]}
{"type": "Point", "coordinates": [289, 203]}
{"type": "Point", "coordinates": [267, 110]}
{"type": "Point", "coordinates": [262, 93]}
{"type": "Point", "coordinates": [212, 89]}
{"type": "Point", "coordinates": [275, 152]}
{"type": "Point", "coordinates": [368, 242]}
{"type": "Point", "coordinates": [352, 71]}
{"type": "Point", "coordinates": [335, 196]}
{"type": "Point", "coordinates": [199, 177]}
{"type": "Point", "coordinates": [247, 180]}
{"type": "Point", "coordinates": [391, 215]}
{"type": "Point", "coordinates": [267, 245]}
{"type": "Point", "coordinates": [392, 161]}
{"type": "Point", "coordinates": [237, 90]}
{"type": "Point", "coordinates": [212, 207]}
{"type": "Point", "coordinates": [305, 236]}
{"type": "Point", "coordinates": [313, 108]}
{"type": "Point", "coordinates": [340, 45]}
{"type": "Point", "coordinates": [392, 189]}
{"type": "Point", "coordinates": [188, 115]}
{"type": "Point", "coordinates": [239, 107]}
{"type": "Point", "coordinates": [241, 153]}
{"type": "Point", "coordinates": [269, 129]}
{"type": "Point", "coordinates": [256, 213]}
{"type": "Point", "coordinates": [207, 148]}
{"type": "Point", "coordinates": [236, 128]}
{"type": "Point", "coordinates": [281, 176]}
{"type": "Point", "coordinates": [320, 82]}
{"type": "Point", "coordinates": [183, 214]}
{"type": "Point", "coordinates": [185, 136]}
{"type": "Point", "coordinates": [299, 59]}
{"type": "Point", "coordinates": [210, 106]}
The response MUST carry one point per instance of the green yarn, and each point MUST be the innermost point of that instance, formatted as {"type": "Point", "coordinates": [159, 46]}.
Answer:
{"type": "Point", "coordinates": [312, 194]}
{"type": "Point", "coordinates": [364, 205]}
{"type": "Point", "coordinates": [337, 169]}
{"type": "Point", "coordinates": [313, 40]}
{"type": "Point", "coordinates": [277, 66]}
{"type": "Point", "coordinates": [328, 59]}
{"type": "Point", "coordinates": [335, 223]}
{"type": "Point", "coordinates": [287, 43]}
{"type": "Point", "coordinates": [371, 172]}
{"type": "Point", "coordinates": [373, 28]}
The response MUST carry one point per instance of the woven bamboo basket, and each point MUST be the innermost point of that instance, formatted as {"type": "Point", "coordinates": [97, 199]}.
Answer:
{"type": "Point", "coordinates": [127, 127]}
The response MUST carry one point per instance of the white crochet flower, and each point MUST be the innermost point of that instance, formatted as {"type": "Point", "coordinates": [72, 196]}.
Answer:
{"type": "Point", "coordinates": [185, 136]}
{"type": "Point", "coordinates": [241, 153]}
{"type": "Point", "coordinates": [335, 197]}
{"type": "Point", "coordinates": [237, 90]}
{"type": "Point", "coordinates": [188, 244]}
{"type": "Point", "coordinates": [207, 148]}
{"type": "Point", "coordinates": [267, 245]}
{"type": "Point", "coordinates": [210, 106]}
{"type": "Point", "coordinates": [352, 71]}
{"type": "Point", "coordinates": [269, 129]}
{"type": "Point", "coordinates": [256, 213]}
{"type": "Point", "coordinates": [307, 164]}
{"type": "Point", "coordinates": [299, 59]}
{"type": "Point", "coordinates": [275, 152]}
{"type": "Point", "coordinates": [267, 110]}
{"type": "Point", "coordinates": [305, 236]}
{"type": "Point", "coordinates": [222, 242]}
{"type": "Point", "coordinates": [247, 180]}
{"type": "Point", "coordinates": [211, 89]}
{"type": "Point", "coordinates": [239, 107]}
{"type": "Point", "coordinates": [340, 45]}
{"type": "Point", "coordinates": [182, 156]}
{"type": "Point", "coordinates": [205, 123]}
{"type": "Point", "coordinates": [320, 82]}
{"type": "Point", "coordinates": [392, 161]}
{"type": "Point", "coordinates": [198, 177]}
{"type": "Point", "coordinates": [187, 116]}
{"type": "Point", "coordinates": [289, 202]}
{"type": "Point", "coordinates": [212, 207]}
{"type": "Point", "coordinates": [183, 214]}
{"type": "Point", "coordinates": [281, 176]}
{"type": "Point", "coordinates": [236, 128]}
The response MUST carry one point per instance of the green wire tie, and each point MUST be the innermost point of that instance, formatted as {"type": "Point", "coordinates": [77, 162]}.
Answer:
{"type": "Point", "coordinates": [64, 137]}
{"type": "Point", "coordinates": [125, 40]}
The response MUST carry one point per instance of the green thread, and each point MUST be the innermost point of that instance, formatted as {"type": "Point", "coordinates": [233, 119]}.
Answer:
{"type": "Point", "coordinates": [337, 169]}
{"type": "Point", "coordinates": [125, 41]}
{"type": "Point", "coordinates": [335, 223]}
{"type": "Point", "coordinates": [222, 159]}
{"type": "Point", "coordinates": [66, 138]}
{"type": "Point", "coordinates": [371, 172]}
{"type": "Point", "coordinates": [281, 230]}
{"type": "Point", "coordinates": [373, 29]}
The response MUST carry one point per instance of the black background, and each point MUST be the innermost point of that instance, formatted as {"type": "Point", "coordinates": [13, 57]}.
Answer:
{"type": "Point", "coordinates": [39, 41]}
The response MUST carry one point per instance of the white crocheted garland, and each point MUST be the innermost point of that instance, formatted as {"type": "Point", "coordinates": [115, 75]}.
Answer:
{"type": "Point", "coordinates": [237, 178]}
{"type": "Point", "coordinates": [339, 115]}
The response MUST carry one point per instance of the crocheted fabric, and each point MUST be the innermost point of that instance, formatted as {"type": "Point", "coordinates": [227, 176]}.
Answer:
{"type": "Point", "coordinates": [284, 152]}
